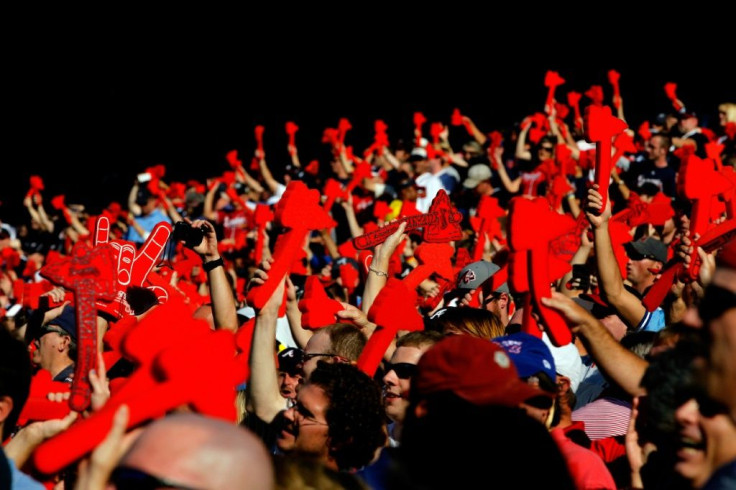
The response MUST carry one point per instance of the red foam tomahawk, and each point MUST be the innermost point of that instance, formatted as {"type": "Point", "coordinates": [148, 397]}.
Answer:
{"type": "Point", "coordinates": [433, 258]}
{"type": "Point", "coordinates": [91, 275]}
{"type": "Point", "coordinates": [392, 310]}
{"type": "Point", "coordinates": [496, 138]}
{"type": "Point", "coordinates": [552, 80]}
{"type": "Point", "coordinates": [600, 128]}
{"type": "Point", "coordinates": [419, 121]}
{"type": "Point", "coordinates": [701, 183]}
{"type": "Point", "coordinates": [291, 130]}
{"type": "Point", "coordinates": [573, 100]}
{"type": "Point", "coordinates": [595, 94]}
{"type": "Point", "coordinates": [485, 223]}
{"type": "Point", "coordinates": [262, 216]}
{"type": "Point", "coordinates": [622, 144]}
{"type": "Point", "coordinates": [298, 211]}
{"type": "Point", "coordinates": [165, 342]}
{"type": "Point", "coordinates": [36, 186]}
{"type": "Point", "coordinates": [380, 140]}
{"type": "Point", "coordinates": [670, 90]}
{"type": "Point", "coordinates": [441, 224]}
{"type": "Point", "coordinates": [38, 406]}
{"type": "Point", "coordinates": [318, 309]}
{"type": "Point", "coordinates": [532, 226]}
{"type": "Point", "coordinates": [133, 266]}
{"type": "Point", "coordinates": [613, 77]}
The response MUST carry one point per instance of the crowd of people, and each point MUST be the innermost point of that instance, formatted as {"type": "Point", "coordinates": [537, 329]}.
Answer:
{"type": "Point", "coordinates": [231, 333]}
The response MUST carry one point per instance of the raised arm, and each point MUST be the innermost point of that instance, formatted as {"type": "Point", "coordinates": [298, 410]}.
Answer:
{"type": "Point", "coordinates": [264, 388]}
{"type": "Point", "coordinates": [621, 365]}
{"type": "Point", "coordinates": [378, 273]}
{"type": "Point", "coordinates": [132, 206]}
{"type": "Point", "coordinates": [626, 304]}
{"type": "Point", "coordinates": [272, 183]}
{"type": "Point", "coordinates": [521, 152]}
{"type": "Point", "coordinates": [224, 309]}
{"type": "Point", "coordinates": [474, 131]}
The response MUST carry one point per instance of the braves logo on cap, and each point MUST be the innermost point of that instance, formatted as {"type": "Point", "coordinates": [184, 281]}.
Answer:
{"type": "Point", "coordinates": [468, 277]}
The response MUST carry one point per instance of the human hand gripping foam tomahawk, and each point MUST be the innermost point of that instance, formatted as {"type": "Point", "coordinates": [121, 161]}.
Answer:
{"type": "Point", "coordinates": [532, 268]}
{"type": "Point", "coordinates": [298, 211]}
{"type": "Point", "coordinates": [441, 224]}
{"type": "Point", "coordinates": [392, 310]}
{"type": "Point", "coordinates": [91, 275]}
{"type": "Point", "coordinates": [701, 183]}
{"type": "Point", "coordinates": [163, 345]}
{"type": "Point", "coordinates": [552, 80]}
{"type": "Point", "coordinates": [600, 128]}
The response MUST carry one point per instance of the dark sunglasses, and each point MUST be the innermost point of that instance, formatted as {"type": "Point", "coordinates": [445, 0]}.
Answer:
{"type": "Point", "coordinates": [126, 478]}
{"type": "Point", "coordinates": [306, 357]}
{"type": "Point", "coordinates": [403, 370]}
{"type": "Point", "coordinates": [547, 148]}
{"type": "Point", "coordinates": [716, 302]}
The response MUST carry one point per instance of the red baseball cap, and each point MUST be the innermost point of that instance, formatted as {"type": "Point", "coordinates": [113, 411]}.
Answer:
{"type": "Point", "coordinates": [476, 370]}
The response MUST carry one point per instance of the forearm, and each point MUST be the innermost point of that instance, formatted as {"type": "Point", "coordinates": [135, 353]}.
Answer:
{"type": "Point", "coordinates": [623, 366]}
{"type": "Point", "coordinates": [267, 176]}
{"type": "Point", "coordinates": [375, 281]}
{"type": "Point", "coordinates": [521, 152]}
{"type": "Point", "coordinates": [224, 309]}
{"type": "Point", "coordinates": [264, 387]}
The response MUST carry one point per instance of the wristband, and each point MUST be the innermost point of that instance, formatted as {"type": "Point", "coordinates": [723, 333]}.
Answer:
{"type": "Point", "coordinates": [214, 264]}
{"type": "Point", "coordinates": [377, 272]}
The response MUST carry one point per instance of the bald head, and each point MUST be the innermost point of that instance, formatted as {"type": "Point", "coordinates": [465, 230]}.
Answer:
{"type": "Point", "coordinates": [195, 451]}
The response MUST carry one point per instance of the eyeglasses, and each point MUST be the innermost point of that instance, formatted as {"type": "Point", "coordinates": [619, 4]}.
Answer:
{"type": "Point", "coordinates": [127, 478]}
{"type": "Point", "coordinates": [46, 329]}
{"type": "Point", "coordinates": [549, 149]}
{"type": "Point", "coordinates": [305, 415]}
{"type": "Point", "coordinates": [403, 370]}
{"type": "Point", "coordinates": [306, 357]}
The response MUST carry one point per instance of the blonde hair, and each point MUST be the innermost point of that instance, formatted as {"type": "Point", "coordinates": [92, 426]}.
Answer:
{"type": "Point", "coordinates": [730, 109]}
{"type": "Point", "coordinates": [471, 321]}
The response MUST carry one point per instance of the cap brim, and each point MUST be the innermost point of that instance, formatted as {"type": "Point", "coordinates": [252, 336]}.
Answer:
{"type": "Point", "coordinates": [471, 183]}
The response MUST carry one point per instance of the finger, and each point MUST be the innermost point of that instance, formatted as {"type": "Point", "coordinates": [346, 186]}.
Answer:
{"type": "Point", "coordinates": [148, 255]}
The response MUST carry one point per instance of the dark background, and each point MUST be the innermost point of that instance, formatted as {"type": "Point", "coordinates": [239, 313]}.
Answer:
{"type": "Point", "coordinates": [88, 114]}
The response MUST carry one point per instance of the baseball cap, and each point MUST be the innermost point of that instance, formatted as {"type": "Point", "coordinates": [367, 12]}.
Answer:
{"type": "Point", "coordinates": [67, 321]}
{"type": "Point", "coordinates": [418, 153]}
{"type": "Point", "coordinates": [290, 360]}
{"type": "Point", "coordinates": [567, 361]}
{"type": "Point", "coordinates": [529, 354]}
{"type": "Point", "coordinates": [649, 248]}
{"type": "Point", "coordinates": [477, 174]}
{"type": "Point", "coordinates": [476, 370]}
{"type": "Point", "coordinates": [685, 114]}
{"type": "Point", "coordinates": [475, 274]}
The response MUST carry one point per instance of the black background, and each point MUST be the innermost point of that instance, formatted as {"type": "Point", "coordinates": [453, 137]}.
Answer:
{"type": "Point", "coordinates": [90, 109]}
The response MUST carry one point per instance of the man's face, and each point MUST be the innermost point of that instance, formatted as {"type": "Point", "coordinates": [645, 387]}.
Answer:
{"type": "Point", "coordinates": [700, 442]}
{"type": "Point", "coordinates": [51, 340]}
{"type": "Point", "coordinates": [288, 383]}
{"type": "Point", "coordinates": [306, 430]}
{"type": "Point", "coordinates": [721, 375]}
{"type": "Point", "coordinates": [319, 343]}
{"type": "Point", "coordinates": [688, 124]}
{"type": "Point", "coordinates": [421, 166]}
{"type": "Point", "coordinates": [655, 148]}
{"type": "Point", "coordinates": [397, 381]}
{"type": "Point", "coordinates": [637, 269]}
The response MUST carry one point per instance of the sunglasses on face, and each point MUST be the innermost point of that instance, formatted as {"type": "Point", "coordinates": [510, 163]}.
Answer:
{"type": "Point", "coordinates": [126, 478]}
{"type": "Point", "coordinates": [403, 370]}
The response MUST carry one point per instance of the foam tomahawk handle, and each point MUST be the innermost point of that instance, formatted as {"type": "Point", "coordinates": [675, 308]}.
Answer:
{"type": "Point", "coordinates": [573, 100]}
{"type": "Point", "coordinates": [300, 212]}
{"type": "Point", "coordinates": [291, 130]}
{"type": "Point", "coordinates": [441, 224]}
{"type": "Point", "coordinates": [392, 310]}
{"type": "Point", "coordinates": [600, 127]}
{"type": "Point", "coordinates": [613, 77]}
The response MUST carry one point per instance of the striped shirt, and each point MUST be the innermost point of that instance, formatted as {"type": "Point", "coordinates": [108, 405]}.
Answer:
{"type": "Point", "coordinates": [605, 417]}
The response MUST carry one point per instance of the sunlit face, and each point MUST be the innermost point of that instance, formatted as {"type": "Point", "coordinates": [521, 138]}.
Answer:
{"type": "Point", "coordinates": [396, 389]}
{"type": "Point", "coordinates": [637, 271]}
{"type": "Point", "coordinates": [703, 444]}
{"type": "Point", "coordinates": [288, 384]}
{"type": "Point", "coordinates": [50, 342]}
{"type": "Point", "coordinates": [655, 148]}
{"type": "Point", "coordinates": [306, 430]}
{"type": "Point", "coordinates": [721, 377]}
